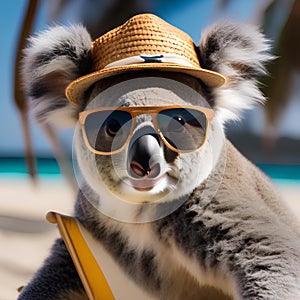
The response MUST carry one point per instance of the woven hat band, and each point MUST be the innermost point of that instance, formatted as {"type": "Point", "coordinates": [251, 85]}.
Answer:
{"type": "Point", "coordinates": [145, 58]}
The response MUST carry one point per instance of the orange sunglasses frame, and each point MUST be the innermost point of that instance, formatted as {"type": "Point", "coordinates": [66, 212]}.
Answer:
{"type": "Point", "coordinates": [141, 110]}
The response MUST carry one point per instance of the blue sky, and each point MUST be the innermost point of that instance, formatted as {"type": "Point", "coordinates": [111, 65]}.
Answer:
{"type": "Point", "coordinates": [191, 17]}
{"type": "Point", "coordinates": [10, 129]}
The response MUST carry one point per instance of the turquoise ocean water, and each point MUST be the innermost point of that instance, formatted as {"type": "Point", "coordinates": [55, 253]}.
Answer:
{"type": "Point", "coordinates": [48, 167]}
{"type": "Point", "coordinates": [16, 167]}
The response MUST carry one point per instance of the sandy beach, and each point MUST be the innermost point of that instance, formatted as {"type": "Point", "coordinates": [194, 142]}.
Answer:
{"type": "Point", "coordinates": [26, 237]}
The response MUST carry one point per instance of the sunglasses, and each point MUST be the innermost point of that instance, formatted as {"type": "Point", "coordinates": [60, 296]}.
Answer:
{"type": "Point", "coordinates": [183, 129]}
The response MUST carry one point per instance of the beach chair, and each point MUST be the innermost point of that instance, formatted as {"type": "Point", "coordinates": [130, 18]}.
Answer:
{"type": "Point", "coordinates": [101, 276]}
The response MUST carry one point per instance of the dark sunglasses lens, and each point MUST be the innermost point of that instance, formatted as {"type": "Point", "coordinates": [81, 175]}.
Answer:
{"type": "Point", "coordinates": [183, 128]}
{"type": "Point", "coordinates": [108, 130]}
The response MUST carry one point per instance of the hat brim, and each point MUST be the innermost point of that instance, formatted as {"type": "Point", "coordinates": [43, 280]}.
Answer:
{"type": "Point", "coordinates": [75, 90]}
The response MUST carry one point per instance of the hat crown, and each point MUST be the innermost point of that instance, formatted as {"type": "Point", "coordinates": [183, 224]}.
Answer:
{"type": "Point", "coordinates": [143, 34]}
{"type": "Point", "coordinates": [144, 42]}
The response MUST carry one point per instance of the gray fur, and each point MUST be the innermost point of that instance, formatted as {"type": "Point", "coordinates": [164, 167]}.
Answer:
{"type": "Point", "coordinates": [249, 238]}
{"type": "Point", "coordinates": [239, 52]}
{"type": "Point", "coordinates": [57, 278]}
{"type": "Point", "coordinates": [51, 61]}
{"type": "Point", "coordinates": [231, 239]}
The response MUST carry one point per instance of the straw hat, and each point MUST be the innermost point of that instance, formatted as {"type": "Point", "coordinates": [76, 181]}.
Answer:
{"type": "Point", "coordinates": [144, 42]}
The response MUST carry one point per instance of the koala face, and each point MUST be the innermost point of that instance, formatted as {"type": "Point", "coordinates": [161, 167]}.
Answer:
{"type": "Point", "coordinates": [147, 169]}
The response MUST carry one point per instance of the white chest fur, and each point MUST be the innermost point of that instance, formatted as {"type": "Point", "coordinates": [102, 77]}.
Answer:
{"type": "Point", "coordinates": [182, 277]}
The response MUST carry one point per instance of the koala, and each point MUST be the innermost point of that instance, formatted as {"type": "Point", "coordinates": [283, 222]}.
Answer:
{"type": "Point", "coordinates": [183, 219]}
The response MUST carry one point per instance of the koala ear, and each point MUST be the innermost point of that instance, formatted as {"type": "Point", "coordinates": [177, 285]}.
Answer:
{"type": "Point", "coordinates": [52, 60]}
{"type": "Point", "coordinates": [237, 51]}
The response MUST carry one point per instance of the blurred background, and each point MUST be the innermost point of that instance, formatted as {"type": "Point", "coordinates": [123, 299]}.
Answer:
{"type": "Point", "coordinates": [269, 136]}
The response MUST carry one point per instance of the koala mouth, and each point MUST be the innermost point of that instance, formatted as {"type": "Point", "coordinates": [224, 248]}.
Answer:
{"type": "Point", "coordinates": [146, 184]}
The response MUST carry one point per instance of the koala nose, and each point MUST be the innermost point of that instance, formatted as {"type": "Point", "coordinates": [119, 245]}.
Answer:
{"type": "Point", "coordinates": [144, 158]}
